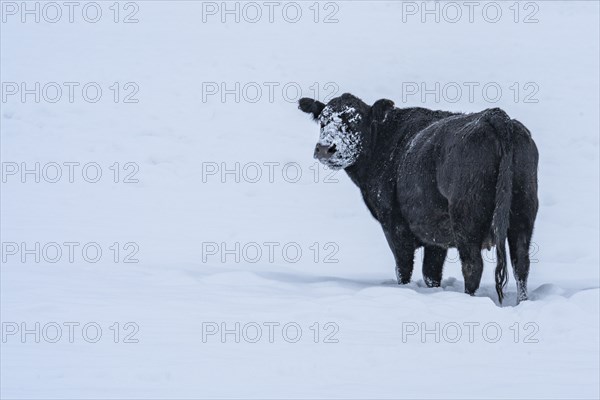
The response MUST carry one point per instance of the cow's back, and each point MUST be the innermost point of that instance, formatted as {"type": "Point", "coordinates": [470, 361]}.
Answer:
{"type": "Point", "coordinates": [451, 163]}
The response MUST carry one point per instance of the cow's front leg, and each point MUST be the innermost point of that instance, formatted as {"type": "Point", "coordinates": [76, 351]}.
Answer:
{"type": "Point", "coordinates": [403, 245]}
{"type": "Point", "coordinates": [404, 264]}
{"type": "Point", "coordinates": [433, 264]}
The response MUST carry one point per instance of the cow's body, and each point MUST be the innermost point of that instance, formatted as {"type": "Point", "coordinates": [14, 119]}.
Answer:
{"type": "Point", "coordinates": [438, 180]}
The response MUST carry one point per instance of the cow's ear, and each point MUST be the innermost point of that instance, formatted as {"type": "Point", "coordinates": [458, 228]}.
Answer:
{"type": "Point", "coordinates": [311, 106]}
{"type": "Point", "coordinates": [380, 109]}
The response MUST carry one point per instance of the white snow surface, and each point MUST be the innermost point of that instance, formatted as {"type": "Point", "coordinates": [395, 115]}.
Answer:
{"type": "Point", "coordinates": [365, 347]}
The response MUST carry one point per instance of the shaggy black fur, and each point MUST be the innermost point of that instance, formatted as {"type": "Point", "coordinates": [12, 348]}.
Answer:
{"type": "Point", "coordinates": [438, 179]}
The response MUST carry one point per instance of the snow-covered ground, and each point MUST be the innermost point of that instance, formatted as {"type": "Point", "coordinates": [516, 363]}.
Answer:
{"type": "Point", "coordinates": [309, 308]}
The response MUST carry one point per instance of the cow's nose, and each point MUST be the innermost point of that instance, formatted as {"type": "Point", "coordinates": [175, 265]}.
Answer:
{"type": "Point", "coordinates": [323, 152]}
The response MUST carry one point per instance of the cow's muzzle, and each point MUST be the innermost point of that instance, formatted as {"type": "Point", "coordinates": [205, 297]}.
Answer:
{"type": "Point", "coordinates": [324, 152]}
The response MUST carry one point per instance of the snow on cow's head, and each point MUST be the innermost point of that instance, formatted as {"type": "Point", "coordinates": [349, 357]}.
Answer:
{"type": "Point", "coordinates": [343, 124]}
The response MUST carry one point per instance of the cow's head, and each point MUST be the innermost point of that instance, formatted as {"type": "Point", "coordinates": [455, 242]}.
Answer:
{"type": "Point", "coordinates": [346, 127]}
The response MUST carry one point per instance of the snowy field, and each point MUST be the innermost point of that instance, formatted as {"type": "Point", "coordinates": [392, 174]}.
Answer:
{"type": "Point", "coordinates": [166, 232]}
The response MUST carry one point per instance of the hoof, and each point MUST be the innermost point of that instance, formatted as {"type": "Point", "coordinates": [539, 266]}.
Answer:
{"type": "Point", "coordinates": [522, 297]}
{"type": "Point", "coordinates": [431, 283]}
{"type": "Point", "coordinates": [402, 278]}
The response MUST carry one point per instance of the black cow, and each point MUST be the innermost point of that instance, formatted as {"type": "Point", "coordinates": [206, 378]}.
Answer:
{"type": "Point", "coordinates": [437, 179]}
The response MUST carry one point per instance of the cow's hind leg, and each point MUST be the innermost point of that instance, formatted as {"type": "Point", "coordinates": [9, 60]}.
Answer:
{"type": "Point", "coordinates": [472, 266]}
{"type": "Point", "coordinates": [523, 211]}
{"type": "Point", "coordinates": [433, 263]}
{"type": "Point", "coordinates": [470, 227]}
{"type": "Point", "coordinates": [519, 240]}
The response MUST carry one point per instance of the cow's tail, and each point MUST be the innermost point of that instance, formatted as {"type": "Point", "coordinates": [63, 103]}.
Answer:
{"type": "Point", "coordinates": [503, 126]}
